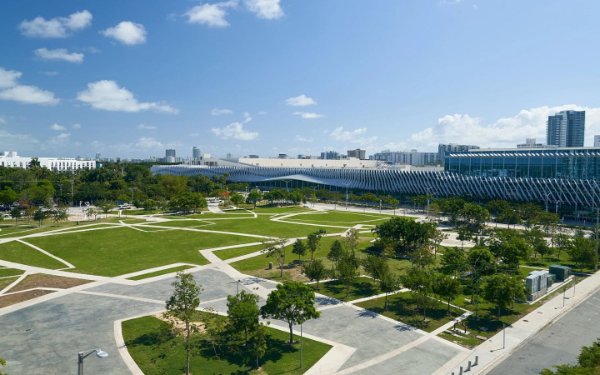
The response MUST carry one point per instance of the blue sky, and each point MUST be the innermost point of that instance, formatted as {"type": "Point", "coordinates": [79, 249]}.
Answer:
{"type": "Point", "coordinates": [131, 78]}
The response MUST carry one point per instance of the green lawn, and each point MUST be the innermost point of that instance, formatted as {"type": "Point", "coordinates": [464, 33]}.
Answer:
{"type": "Point", "coordinates": [4, 272]}
{"type": "Point", "coordinates": [401, 307]}
{"type": "Point", "coordinates": [340, 218]}
{"type": "Point", "coordinates": [19, 253]}
{"type": "Point", "coordinates": [361, 287]}
{"type": "Point", "coordinates": [238, 251]}
{"type": "Point", "coordinates": [156, 351]}
{"type": "Point", "coordinates": [7, 281]}
{"type": "Point", "coordinates": [118, 251]}
{"type": "Point", "coordinates": [158, 273]}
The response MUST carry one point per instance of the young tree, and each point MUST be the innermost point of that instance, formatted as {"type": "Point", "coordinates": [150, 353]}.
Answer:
{"type": "Point", "coordinates": [299, 248]}
{"type": "Point", "coordinates": [276, 250]}
{"type": "Point", "coordinates": [15, 213]}
{"type": "Point", "coordinates": [243, 313]}
{"type": "Point", "coordinates": [454, 261]}
{"type": "Point", "coordinates": [292, 302]}
{"type": "Point", "coordinates": [236, 198]}
{"type": "Point", "coordinates": [419, 281]}
{"type": "Point", "coordinates": [446, 287]}
{"type": "Point", "coordinates": [336, 252]}
{"type": "Point", "coordinates": [388, 284]}
{"type": "Point", "coordinates": [254, 197]}
{"type": "Point", "coordinates": [39, 216]}
{"type": "Point", "coordinates": [258, 344]}
{"type": "Point", "coordinates": [583, 252]}
{"type": "Point", "coordinates": [182, 304]}
{"type": "Point", "coordinates": [351, 239]}
{"type": "Point", "coordinates": [347, 270]}
{"type": "Point", "coordinates": [375, 266]}
{"type": "Point", "coordinates": [502, 290]}
{"type": "Point", "coordinates": [312, 242]}
{"type": "Point", "coordinates": [405, 234]}
{"type": "Point", "coordinates": [315, 271]}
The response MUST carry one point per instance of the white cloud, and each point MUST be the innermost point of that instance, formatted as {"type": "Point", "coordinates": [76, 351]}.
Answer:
{"type": "Point", "coordinates": [300, 138]}
{"type": "Point", "coordinates": [212, 15]}
{"type": "Point", "coordinates": [220, 111]}
{"type": "Point", "coordinates": [146, 127]}
{"type": "Point", "coordinates": [148, 142]}
{"type": "Point", "coordinates": [76, 126]}
{"type": "Point", "coordinates": [309, 115]}
{"type": "Point", "coordinates": [356, 136]}
{"type": "Point", "coordinates": [59, 54]}
{"type": "Point", "coordinates": [59, 27]}
{"type": "Point", "coordinates": [267, 9]}
{"type": "Point", "coordinates": [236, 130]}
{"type": "Point", "coordinates": [503, 132]}
{"type": "Point", "coordinates": [127, 32]}
{"type": "Point", "coordinates": [10, 89]}
{"type": "Point", "coordinates": [61, 138]}
{"type": "Point", "coordinates": [300, 101]}
{"type": "Point", "coordinates": [108, 96]}
{"type": "Point", "coordinates": [57, 127]}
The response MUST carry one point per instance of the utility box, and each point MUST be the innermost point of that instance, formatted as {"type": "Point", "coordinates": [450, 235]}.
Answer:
{"type": "Point", "coordinates": [561, 272]}
{"type": "Point", "coordinates": [537, 284]}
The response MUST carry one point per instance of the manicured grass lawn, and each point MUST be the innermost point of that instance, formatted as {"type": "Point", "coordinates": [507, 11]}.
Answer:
{"type": "Point", "coordinates": [340, 218]}
{"type": "Point", "coordinates": [158, 273]}
{"type": "Point", "coordinates": [361, 287]}
{"type": "Point", "coordinates": [564, 260]}
{"type": "Point", "coordinates": [118, 251]}
{"type": "Point", "coordinates": [238, 251]}
{"type": "Point", "coordinates": [6, 282]}
{"type": "Point", "coordinates": [156, 351]}
{"type": "Point", "coordinates": [9, 272]}
{"type": "Point", "coordinates": [19, 253]}
{"type": "Point", "coordinates": [402, 307]}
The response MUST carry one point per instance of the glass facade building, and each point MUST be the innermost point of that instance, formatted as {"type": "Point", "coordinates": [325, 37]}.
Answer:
{"type": "Point", "coordinates": [562, 163]}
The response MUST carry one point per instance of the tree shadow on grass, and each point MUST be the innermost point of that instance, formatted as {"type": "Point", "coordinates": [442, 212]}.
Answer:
{"type": "Point", "coordinates": [358, 289]}
{"type": "Point", "coordinates": [153, 338]}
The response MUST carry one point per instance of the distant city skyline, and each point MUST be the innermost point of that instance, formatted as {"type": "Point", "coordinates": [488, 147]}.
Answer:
{"type": "Point", "coordinates": [131, 79]}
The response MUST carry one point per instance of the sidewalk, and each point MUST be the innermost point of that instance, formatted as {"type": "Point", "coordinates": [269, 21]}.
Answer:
{"type": "Point", "coordinates": [490, 353]}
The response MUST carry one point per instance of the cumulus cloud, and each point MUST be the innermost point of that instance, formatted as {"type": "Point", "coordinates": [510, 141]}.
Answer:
{"type": "Point", "coordinates": [57, 127]}
{"type": "Point", "coordinates": [59, 54]}
{"type": "Point", "coordinates": [127, 32]}
{"type": "Point", "coordinates": [220, 111]}
{"type": "Point", "coordinates": [11, 89]}
{"type": "Point", "coordinates": [309, 115]}
{"type": "Point", "coordinates": [146, 127]}
{"type": "Point", "coordinates": [356, 136]}
{"type": "Point", "coordinates": [300, 101]}
{"type": "Point", "coordinates": [236, 130]}
{"type": "Point", "coordinates": [108, 96]}
{"type": "Point", "coordinates": [59, 27]}
{"type": "Point", "coordinates": [212, 15]}
{"type": "Point", "coordinates": [300, 138]}
{"type": "Point", "coordinates": [266, 9]}
{"type": "Point", "coordinates": [61, 138]}
{"type": "Point", "coordinates": [503, 132]}
{"type": "Point", "coordinates": [148, 142]}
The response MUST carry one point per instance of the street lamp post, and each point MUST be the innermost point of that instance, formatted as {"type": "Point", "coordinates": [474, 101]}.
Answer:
{"type": "Point", "coordinates": [83, 355]}
{"type": "Point", "coordinates": [301, 353]}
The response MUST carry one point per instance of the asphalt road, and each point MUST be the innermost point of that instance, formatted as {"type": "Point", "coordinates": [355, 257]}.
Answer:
{"type": "Point", "coordinates": [558, 343]}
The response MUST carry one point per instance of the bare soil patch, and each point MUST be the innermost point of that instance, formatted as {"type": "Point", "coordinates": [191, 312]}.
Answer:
{"type": "Point", "coordinates": [179, 325]}
{"type": "Point", "coordinates": [23, 296]}
{"type": "Point", "coordinates": [40, 280]}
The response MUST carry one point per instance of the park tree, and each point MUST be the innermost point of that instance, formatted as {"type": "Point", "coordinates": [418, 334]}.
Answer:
{"type": "Point", "coordinates": [105, 206]}
{"type": "Point", "coordinates": [258, 344]}
{"type": "Point", "coordinates": [509, 248]}
{"type": "Point", "coordinates": [236, 198]}
{"type": "Point", "coordinates": [254, 196]}
{"type": "Point", "coordinates": [351, 239]}
{"type": "Point", "coordinates": [538, 242]}
{"type": "Point", "coordinates": [299, 248]}
{"type": "Point", "coordinates": [388, 284]}
{"type": "Point", "coordinates": [446, 287]}
{"type": "Point", "coordinates": [276, 249]}
{"type": "Point", "coordinates": [375, 266]}
{"type": "Point", "coordinates": [481, 263]}
{"type": "Point", "coordinates": [583, 252]}
{"type": "Point", "coordinates": [454, 262]}
{"type": "Point", "coordinates": [8, 195]}
{"type": "Point", "coordinates": [61, 214]}
{"type": "Point", "coordinates": [183, 304]}
{"type": "Point", "coordinates": [243, 313]}
{"type": "Point", "coordinates": [452, 207]}
{"type": "Point", "coordinates": [15, 213]}
{"type": "Point", "coordinates": [419, 281]}
{"type": "Point", "coordinates": [474, 216]}
{"type": "Point", "coordinates": [437, 238]}
{"type": "Point", "coordinates": [502, 290]}
{"type": "Point", "coordinates": [405, 234]}
{"type": "Point", "coordinates": [188, 202]}
{"type": "Point", "coordinates": [315, 270]}
{"type": "Point", "coordinates": [347, 269]}
{"type": "Point", "coordinates": [39, 215]}
{"type": "Point", "coordinates": [292, 302]}
{"type": "Point", "coordinates": [312, 242]}
{"type": "Point", "coordinates": [335, 252]}
{"type": "Point", "coordinates": [562, 241]}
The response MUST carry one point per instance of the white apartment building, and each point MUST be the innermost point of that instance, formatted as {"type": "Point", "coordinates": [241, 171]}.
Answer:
{"type": "Point", "coordinates": [10, 159]}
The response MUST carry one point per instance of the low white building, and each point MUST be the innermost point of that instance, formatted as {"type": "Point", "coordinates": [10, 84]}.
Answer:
{"type": "Point", "coordinates": [10, 159]}
{"type": "Point", "coordinates": [310, 163]}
